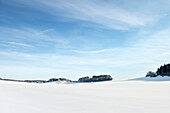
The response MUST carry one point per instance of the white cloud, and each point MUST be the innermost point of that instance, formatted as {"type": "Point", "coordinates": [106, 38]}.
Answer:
{"type": "Point", "coordinates": [109, 14]}
{"type": "Point", "coordinates": [29, 37]}
{"type": "Point", "coordinates": [93, 52]}
{"type": "Point", "coordinates": [149, 50]}
{"type": "Point", "coordinates": [18, 44]}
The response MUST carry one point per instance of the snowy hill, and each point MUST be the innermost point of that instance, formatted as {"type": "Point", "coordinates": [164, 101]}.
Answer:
{"type": "Point", "coordinates": [158, 78]}
{"type": "Point", "coordinates": [101, 97]}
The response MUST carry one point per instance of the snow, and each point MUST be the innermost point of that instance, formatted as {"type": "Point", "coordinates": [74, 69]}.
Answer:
{"type": "Point", "coordinates": [158, 78]}
{"type": "Point", "coordinates": [133, 96]}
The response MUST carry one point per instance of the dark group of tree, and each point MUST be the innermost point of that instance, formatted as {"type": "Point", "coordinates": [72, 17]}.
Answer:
{"type": "Point", "coordinates": [162, 71]}
{"type": "Point", "coordinates": [95, 78]}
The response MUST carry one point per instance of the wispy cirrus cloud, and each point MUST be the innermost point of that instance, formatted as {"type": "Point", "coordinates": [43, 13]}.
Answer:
{"type": "Point", "coordinates": [152, 49]}
{"type": "Point", "coordinates": [31, 38]}
{"type": "Point", "coordinates": [27, 33]}
{"type": "Point", "coordinates": [17, 44]}
{"type": "Point", "coordinates": [93, 52]}
{"type": "Point", "coordinates": [108, 14]}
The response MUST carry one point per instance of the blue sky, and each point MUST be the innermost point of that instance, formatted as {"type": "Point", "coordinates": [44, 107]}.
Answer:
{"type": "Point", "coordinates": [40, 39]}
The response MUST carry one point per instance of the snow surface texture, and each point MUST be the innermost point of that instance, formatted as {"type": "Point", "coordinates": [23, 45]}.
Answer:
{"type": "Point", "coordinates": [103, 97]}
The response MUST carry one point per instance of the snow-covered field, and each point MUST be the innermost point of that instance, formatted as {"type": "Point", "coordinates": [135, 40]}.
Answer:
{"type": "Point", "coordinates": [104, 97]}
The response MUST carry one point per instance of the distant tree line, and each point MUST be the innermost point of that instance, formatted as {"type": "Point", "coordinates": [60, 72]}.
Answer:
{"type": "Point", "coordinates": [58, 80]}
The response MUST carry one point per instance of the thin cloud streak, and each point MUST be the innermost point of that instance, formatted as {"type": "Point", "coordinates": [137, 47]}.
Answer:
{"type": "Point", "coordinates": [93, 52]}
{"type": "Point", "coordinates": [18, 44]}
